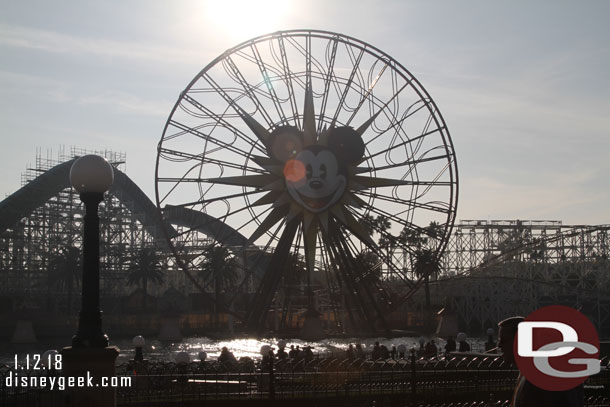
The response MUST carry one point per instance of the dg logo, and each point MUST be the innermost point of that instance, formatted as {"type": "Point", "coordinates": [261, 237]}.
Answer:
{"type": "Point", "coordinates": [557, 348]}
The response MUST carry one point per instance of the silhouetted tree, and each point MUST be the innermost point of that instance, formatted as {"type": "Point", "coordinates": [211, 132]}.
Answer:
{"type": "Point", "coordinates": [433, 230]}
{"type": "Point", "coordinates": [369, 223]}
{"type": "Point", "coordinates": [423, 252]}
{"type": "Point", "coordinates": [371, 267]}
{"type": "Point", "coordinates": [65, 271]}
{"type": "Point", "coordinates": [426, 264]}
{"type": "Point", "coordinates": [218, 268]}
{"type": "Point", "coordinates": [145, 267]}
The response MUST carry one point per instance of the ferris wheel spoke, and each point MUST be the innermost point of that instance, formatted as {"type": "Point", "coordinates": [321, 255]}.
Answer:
{"type": "Point", "coordinates": [208, 138]}
{"type": "Point", "coordinates": [349, 221]}
{"type": "Point", "coordinates": [206, 201]}
{"type": "Point", "coordinates": [260, 260]}
{"type": "Point", "coordinates": [353, 295]}
{"type": "Point", "coordinates": [221, 122]}
{"type": "Point", "coordinates": [203, 225]}
{"type": "Point", "coordinates": [310, 60]}
{"type": "Point", "coordinates": [208, 160]}
{"type": "Point", "coordinates": [288, 75]}
{"type": "Point", "coordinates": [263, 69]}
{"type": "Point", "coordinates": [233, 102]}
{"type": "Point", "coordinates": [377, 283]}
{"type": "Point", "coordinates": [327, 82]}
{"type": "Point", "coordinates": [395, 123]}
{"type": "Point", "coordinates": [404, 143]}
{"type": "Point", "coordinates": [411, 163]}
{"type": "Point", "coordinates": [354, 270]}
{"type": "Point", "coordinates": [360, 182]}
{"type": "Point", "coordinates": [274, 217]}
{"type": "Point", "coordinates": [249, 89]}
{"type": "Point", "coordinates": [440, 183]}
{"type": "Point", "coordinates": [266, 182]}
{"type": "Point", "coordinates": [442, 208]}
{"type": "Point", "coordinates": [175, 184]}
{"type": "Point", "coordinates": [309, 129]}
{"type": "Point", "coordinates": [341, 103]}
{"type": "Point", "coordinates": [389, 257]}
{"type": "Point", "coordinates": [366, 95]}
{"type": "Point", "coordinates": [394, 243]}
{"type": "Point", "coordinates": [405, 224]}
{"type": "Point", "coordinates": [273, 275]}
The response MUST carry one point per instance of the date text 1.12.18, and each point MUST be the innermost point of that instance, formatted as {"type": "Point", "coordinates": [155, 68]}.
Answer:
{"type": "Point", "coordinates": [38, 362]}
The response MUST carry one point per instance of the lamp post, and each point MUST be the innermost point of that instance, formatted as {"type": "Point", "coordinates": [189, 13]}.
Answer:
{"type": "Point", "coordinates": [91, 176]}
{"type": "Point", "coordinates": [138, 343]}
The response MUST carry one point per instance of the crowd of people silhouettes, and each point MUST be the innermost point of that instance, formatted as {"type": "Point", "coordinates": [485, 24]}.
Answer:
{"type": "Point", "coordinates": [296, 353]}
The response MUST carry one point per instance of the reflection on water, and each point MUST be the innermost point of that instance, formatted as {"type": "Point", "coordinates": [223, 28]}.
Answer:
{"type": "Point", "coordinates": [166, 351]}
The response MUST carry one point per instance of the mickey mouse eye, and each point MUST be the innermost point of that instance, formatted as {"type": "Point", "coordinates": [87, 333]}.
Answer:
{"type": "Point", "coordinates": [323, 171]}
{"type": "Point", "coordinates": [309, 171]}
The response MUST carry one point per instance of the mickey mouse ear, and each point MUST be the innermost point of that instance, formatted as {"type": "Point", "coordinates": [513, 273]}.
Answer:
{"type": "Point", "coordinates": [284, 143]}
{"type": "Point", "coordinates": [347, 144]}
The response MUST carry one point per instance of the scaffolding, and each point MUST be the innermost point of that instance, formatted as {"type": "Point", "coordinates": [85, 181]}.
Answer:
{"type": "Point", "coordinates": [474, 242]}
{"type": "Point", "coordinates": [40, 254]}
{"type": "Point", "coordinates": [495, 269]}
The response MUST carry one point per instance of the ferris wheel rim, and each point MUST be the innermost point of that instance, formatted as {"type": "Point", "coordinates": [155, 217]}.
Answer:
{"type": "Point", "coordinates": [423, 94]}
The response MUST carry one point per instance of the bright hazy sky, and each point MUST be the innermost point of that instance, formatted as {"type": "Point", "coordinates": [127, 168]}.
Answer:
{"type": "Point", "coordinates": [524, 86]}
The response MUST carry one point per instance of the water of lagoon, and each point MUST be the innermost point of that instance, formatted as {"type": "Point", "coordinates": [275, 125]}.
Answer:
{"type": "Point", "coordinates": [156, 350]}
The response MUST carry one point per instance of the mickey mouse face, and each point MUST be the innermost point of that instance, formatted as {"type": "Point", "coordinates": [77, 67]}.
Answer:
{"type": "Point", "coordinates": [316, 175]}
{"type": "Point", "coordinates": [314, 179]}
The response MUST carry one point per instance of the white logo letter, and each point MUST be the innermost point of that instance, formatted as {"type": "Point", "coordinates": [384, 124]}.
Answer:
{"type": "Point", "coordinates": [592, 364]}
{"type": "Point", "coordinates": [525, 338]}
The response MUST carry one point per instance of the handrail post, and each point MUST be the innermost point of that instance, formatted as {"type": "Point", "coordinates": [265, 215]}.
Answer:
{"type": "Point", "coordinates": [271, 376]}
{"type": "Point", "coordinates": [413, 376]}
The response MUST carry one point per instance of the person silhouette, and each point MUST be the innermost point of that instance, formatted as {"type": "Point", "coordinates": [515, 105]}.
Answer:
{"type": "Point", "coordinates": [450, 346]}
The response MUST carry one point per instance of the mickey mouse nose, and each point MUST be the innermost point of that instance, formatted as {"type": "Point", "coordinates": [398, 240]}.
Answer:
{"type": "Point", "coordinates": [316, 184]}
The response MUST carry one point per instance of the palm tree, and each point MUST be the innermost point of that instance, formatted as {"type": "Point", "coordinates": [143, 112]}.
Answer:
{"type": "Point", "coordinates": [426, 264]}
{"type": "Point", "coordinates": [424, 257]}
{"type": "Point", "coordinates": [383, 223]}
{"type": "Point", "coordinates": [218, 267]}
{"type": "Point", "coordinates": [65, 271]}
{"type": "Point", "coordinates": [145, 267]}
{"type": "Point", "coordinates": [411, 238]}
{"type": "Point", "coordinates": [433, 230]}
{"type": "Point", "coordinates": [369, 223]}
{"type": "Point", "coordinates": [371, 264]}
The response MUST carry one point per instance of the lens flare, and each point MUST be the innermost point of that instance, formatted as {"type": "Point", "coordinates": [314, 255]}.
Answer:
{"type": "Point", "coordinates": [294, 171]}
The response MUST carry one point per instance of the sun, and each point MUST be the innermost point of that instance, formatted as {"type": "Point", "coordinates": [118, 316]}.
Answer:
{"type": "Point", "coordinates": [242, 19]}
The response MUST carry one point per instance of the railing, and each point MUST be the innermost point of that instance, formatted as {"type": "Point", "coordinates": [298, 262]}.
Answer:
{"type": "Point", "coordinates": [450, 382]}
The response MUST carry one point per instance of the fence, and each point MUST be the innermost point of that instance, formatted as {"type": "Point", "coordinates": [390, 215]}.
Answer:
{"type": "Point", "coordinates": [442, 382]}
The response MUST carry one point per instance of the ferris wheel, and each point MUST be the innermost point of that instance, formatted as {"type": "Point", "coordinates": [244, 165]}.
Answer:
{"type": "Point", "coordinates": [318, 162]}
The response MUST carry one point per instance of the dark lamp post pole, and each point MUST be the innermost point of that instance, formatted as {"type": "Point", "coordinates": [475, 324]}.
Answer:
{"type": "Point", "coordinates": [138, 343]}
{"type": "Point", "coordinates": [91, 175]}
